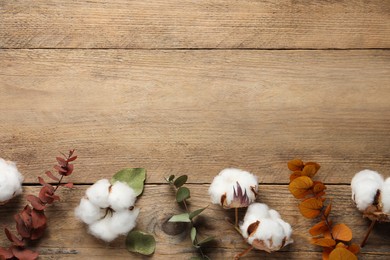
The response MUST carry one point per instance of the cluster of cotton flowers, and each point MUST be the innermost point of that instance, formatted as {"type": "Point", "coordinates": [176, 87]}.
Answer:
{"type": "Point", "coordinates": [233, 188]}
{"type": "Point", "coordinates": [10, 181]}
{"type": "Point", "coordinates": [264, 229]}
{"type": "Point", "coordinates": [368, 186]}
{"type": "Point", "coordinates": [108, 209]}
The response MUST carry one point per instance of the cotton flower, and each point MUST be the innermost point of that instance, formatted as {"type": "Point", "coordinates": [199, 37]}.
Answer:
{"type": "Point", "coordinates": [264, 229]}
{"type": "Point", "coordinates": [10, 181]}
{"type": "Point", "coordinates": [108, 209]}
{"type": "Point", "coordinates": [365, 185]}
{"type": "Point", "coordinates": [233, 188]}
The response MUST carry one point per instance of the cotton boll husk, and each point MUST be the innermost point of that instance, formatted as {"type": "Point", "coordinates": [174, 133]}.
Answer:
{"type": "Point", "coordinates": [121, 196]}
{"type": "Point", "coordinates": [225, 183]}
{"type": "Point", "coordinates": [10, 180]}
{"type": "Point", "coordinates": [88, 212]}
{"type": "Point", "coordinates": [98, 193]}
{"type": "Point", "coordinates": [102, 229]}
{"type": "Point", "coordinates": [124, 221]}
{"type": "Point", "coordinates": [385, 196]}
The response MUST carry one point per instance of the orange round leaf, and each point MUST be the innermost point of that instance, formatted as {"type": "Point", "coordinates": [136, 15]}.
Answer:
{"type": "Point", "coordinates": [318, 187]}
{"type": "Point", "coordinates": [342, 254]}
{"type": "Point", "coordinates": [319, 228]}
{"type": "Point", "coordinates": [354, 248]}
{"type": "Point", "coordinates": [328, 209]}
{"type": "Point", "coordinates": [310, 169]}
{"type": "Point", "coordinates": [342, 232]}
{"type": "Point", "coordinates": [295, 165]}
{"type": "Point", "coordinates": [311, 208]}
{"type": "Point", "coordinates": [295, 175]}
{"type": "Point", "coordinates": [324, 242]}
{"type": "Point", "coordinates": [300, 187]}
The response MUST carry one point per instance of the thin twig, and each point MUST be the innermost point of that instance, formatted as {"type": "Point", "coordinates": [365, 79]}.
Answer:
{"type": "Point", "coordinates": [368, 233]}
{"type": "Point", "coordinates": [246, 251]}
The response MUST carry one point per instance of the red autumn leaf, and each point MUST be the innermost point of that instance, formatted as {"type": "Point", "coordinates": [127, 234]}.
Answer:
{"type": "Point", "coordinates": [342, 254]}
{"type": "Point", "coordinates": [37, 233]}
{"type": "Point", "coordinates": [36, 203]}
{"type": "Point", "coordinates": [24, 254]}
{"type": "Point", "coordinates": [6, 253]}
{"type": "Point", "coordinates": [311, 208]}
{"type": "Point", "coordinates": [300, 187]}
{"type": "Point", "coordinates": [14, 239]}
{"type": "Point", "coordinates": [310, 169]}
{"type": "Point", "coordinates": [46, 194]}
{"type": "Point", "coordinates": [38, 218]}
{"type": "Point", "coordinates": [68, 185]}
{"type": "Point", "coordinates": [324, 242]}
{"type": "Point", "coordinates": [61, 161]}
{"type": "Point", "coordinates": [319, 228]}
{"type": "Point", "coordinates": [295, 165]}
{"type": "Point", "coordinates": [42, 181]}
{"type": "Point", "coordinates": [71, 159]}
{"type": "Point", "coordinates": [69, 169]}
{"type": "Point", "coordinates": [342, 232]}
{"type": "Point", "coordinates": [23, 229]}
{"type": "Point", "coordinates": [60, 169]}
{"type": "Point", "coordinates": [51, 176]}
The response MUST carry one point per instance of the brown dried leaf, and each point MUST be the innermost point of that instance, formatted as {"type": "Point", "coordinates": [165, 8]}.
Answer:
{"type": "Point", "coordinates": [319, 228]}
{"type": "Point", "coordinates": [61, 161]}
{"type": "Point", "coordinates": [23, 253]}
{"type": "Point", "coordinates": [327, 210]}
{"type": "Point", "coordinates": [38, 218]}
{"type": "Point", "coordinates": [51, 176]}
{"type": "Point", "coordinates": [36, 203]}
{"type": "Point", "coordinates": [5, 253]}
{"type": "Point", "coordinates": [342, 254]}
{"type": "Point", "coordinates": [318, 187]}
{"type": "Point", "coordinates": [295, 165]}
{"type": "Point", "coordinates": [354, 248]}
{"type": "Point", "coordinates": [72, 158]}
{"type": "Point", "coordinates": [311, 208]}
{"type": "Point", "coordinates": [23, 229]}
{"type": "Point", "coordinates": [14, 239]}
{"type": "Point", "coordinates": [310, 169]}
{"type": "Point", "coordinates": [295, 175]}
{"type": "Point", "coordinates": [342, 232]}
{"type": "Point", "coordinates": [324, 242]}
{"type": "Point", "coordinates": [300, 187]}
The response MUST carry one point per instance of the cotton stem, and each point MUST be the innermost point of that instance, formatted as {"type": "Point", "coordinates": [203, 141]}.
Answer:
{"type": "Point", "coordinates": [246, 251]}
{"type": "Point", "coordinates": [368, 233]}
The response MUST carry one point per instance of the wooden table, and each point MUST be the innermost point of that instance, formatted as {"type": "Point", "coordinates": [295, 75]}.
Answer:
{"type": "Point", "coordinates": [192, 87]}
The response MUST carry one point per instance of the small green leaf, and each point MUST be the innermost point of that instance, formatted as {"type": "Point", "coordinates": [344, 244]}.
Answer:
{"type": "Point", "coordinates": [134, 177]}
{"type": "Point", "coordinates": [180, 181]}
{"type": "Point", "coordinates": [206, 240]}
{"type": "Point", "coordinates": [195, 213]}
{"type": "Point", "coordinates": [171, 178]}
{"type": "Point", "coordinates": [180, 218]}
{"type": "Point", "coordinates": [183, 193]}
{"type": "Point", "coordinates": [193, 234]}
{"type": "Point", "coordinates": [140, 242]}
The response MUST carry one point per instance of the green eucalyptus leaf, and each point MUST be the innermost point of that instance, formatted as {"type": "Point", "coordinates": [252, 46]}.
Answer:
{"type": "Point", "coordinates": [171, 177]}
{"type": "Point", "coordinates": [206, 240]}
{"type": "Point", "coordinates": [195, 213]}
{"type": "Point", "coordinates": [182, 193]}
{"type": "Point", "coordinates": [193, 234]}
{"type": "Point", "coordinates": [140, 242]}
{"type": "Point", "coordinates": [180, 181]}
{"type": "Point", "coordinates": [134, 177]}
{"type": "Point", "coordinates": [184, 217]}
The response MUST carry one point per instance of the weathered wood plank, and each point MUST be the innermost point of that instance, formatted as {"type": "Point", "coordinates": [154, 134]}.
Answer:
{"type": "Point", "coordinates": [196, 112]}
{"type": "Point", "coordinates": [195, 24]}
{"type": "Point", "coordinates": [67, 237]}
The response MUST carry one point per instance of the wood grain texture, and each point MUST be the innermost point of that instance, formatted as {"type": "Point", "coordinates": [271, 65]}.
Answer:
{"type": "Point", "coordinates": [195, 24]}
{"type": "Point", "coordinates": [67, 237]}
{"type": "Point", "coordinates": [196, 112]}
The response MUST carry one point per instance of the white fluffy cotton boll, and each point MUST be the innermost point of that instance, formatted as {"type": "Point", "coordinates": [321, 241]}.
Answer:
{"type": "Point", "coordinates": [121, 196]}
{"type": "Point", "coordinates": [123, 221]}
{"type": "Point", "coordinates": [271, 233]}
{"type": "Point", "coordinates": [10, 181]}
{"type": "Point", "coordinates": [386, 196]}
{"type": "Point", "coordinates": [88, 212]}
{"type": "Point", "coordinates": [98, 193]}
{"type": "Point", "coordinates": [365, 185]}
{"type": "Point", "coordinates": [227, 185]}
{"type": "Point", "coordinates": [102, 229]}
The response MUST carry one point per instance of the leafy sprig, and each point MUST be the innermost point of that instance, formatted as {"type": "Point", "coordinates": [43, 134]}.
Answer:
{"type": "Point", "coordinates": [333, 238]}
{"type": "Point", "coordinates": [182, 195]}
{"type": "Point", "coordinates": [31, 222]}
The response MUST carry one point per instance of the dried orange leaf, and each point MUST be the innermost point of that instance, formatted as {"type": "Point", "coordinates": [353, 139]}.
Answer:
{"type": "Point", "coordinates": [324, 242]}
{"type": "Point", "coordinates": [318, 187]}
{"type": "Point", "coordinates": [341, 244]}
{"type": "Point", "coordinates": [342, 254]}
{"type": "Point", "coordinates": [295, 165]}
{"type": "Point", "coordinates": [354, 248]}
{"type": "Point", "coordinates": [342, 232]}
{"type": "Point", "coordinates": [326, 252]}
{"type": "Point", "coordinates": [295, 175]}
{"type": "Point", "coordinates": [327, 210]}
{"type": "Point", "coordinates": [316, 165]}
{"type": "Point", "coordinates": [310, 170]}
{"type": "Point", "coordinates": [300, 187]}
{"type": "Point", "coordinates": [311, 208]}
{"type": "Point", "coordinates": [319, 228]}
